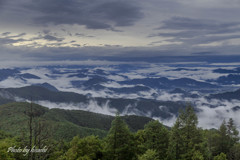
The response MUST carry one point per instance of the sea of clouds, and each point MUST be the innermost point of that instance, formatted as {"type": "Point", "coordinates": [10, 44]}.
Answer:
{"type": "Point", "coordinates": [211, 112]}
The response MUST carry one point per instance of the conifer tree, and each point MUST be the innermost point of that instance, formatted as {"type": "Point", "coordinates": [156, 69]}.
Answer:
{"type": "Point", "coordinates": [156, 138]}
{"type": "Point", "coordinates": [232, 132]}
{"type": "Point", "coordinates": [223, 139]}
{"type": "Point", "coordinates": [185, 138]}
{"type": "Point", "coordinates": [149, 155]}
{"type": "Point", "coordinates": [119, 141]}
{"type": "Point", "coordinates": [175, 142]}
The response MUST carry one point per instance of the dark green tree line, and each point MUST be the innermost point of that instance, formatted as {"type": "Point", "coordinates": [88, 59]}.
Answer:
{"type": "Point", "coordinates": [184, 141]}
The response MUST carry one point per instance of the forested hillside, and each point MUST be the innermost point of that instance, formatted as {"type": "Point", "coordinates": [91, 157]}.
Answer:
{"type": "Point", "coordinates": [96, 136]}
{"type": "Point", "coordinates": [62, 124]}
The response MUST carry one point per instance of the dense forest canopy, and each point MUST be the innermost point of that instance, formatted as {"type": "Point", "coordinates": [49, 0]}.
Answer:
{"type": "Point", "coordinates": [183, 141]}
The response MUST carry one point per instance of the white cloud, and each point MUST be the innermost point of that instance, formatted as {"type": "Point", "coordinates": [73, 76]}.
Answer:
{"type": "Point", "coordinates": [91, 106]}
{"type": "Point", "coordinates": [116, 77]}
{"type": "Point", "coordinates": [132, 75]}
{"type": "Point", "coordinates": [12, 82]}
{"type": "Point", "coordinates": [116, 85]}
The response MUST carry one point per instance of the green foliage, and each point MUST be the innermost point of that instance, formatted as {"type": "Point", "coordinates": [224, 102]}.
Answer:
{"type": "Point", "coordinates": [234, 153]}
{"type": "Point", "coordinates": [4, 145]}
{"type": "Point", "coordinates": [197, 156]}
{"type": "Point", "coordinates": [86, 148]}
{"type": "Point", "coordinates": [212, 137]}
{"type": "Point", "coordinates": [223, 145]}
{"type": "Point", "coordinates": [140, 142]}
{"type": "Point", "coordinates": [185, 137]}
{"type": "Point", "coordinates": [136, 123]}
{"type": "Point", "coordinates": [224, 139]}
{"type": "Point", "coordinates": [232, 132]}
{"type": "Point", "coordinates": [185, 141]}
{"type": "Point", "coordinates": [60, 150]}
{"type": "Point", "coordinates": [156, 138]}
{"type": "Point", "coordinates": [119, 141]}
{"type": "Point", "coordinates": [221, 156]}
{"type": "Point", "coordinates": [63, 124]}
{"type": "Point", "coordinates": [149, 155]}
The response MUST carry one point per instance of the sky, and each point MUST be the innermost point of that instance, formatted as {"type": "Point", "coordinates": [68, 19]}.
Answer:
{"type": "Point", "coordinates": [60, 30]}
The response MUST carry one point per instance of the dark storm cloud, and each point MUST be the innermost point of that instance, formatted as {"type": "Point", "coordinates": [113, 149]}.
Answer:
{"type": "Point", "coordinates": [7, 38]}
{"type": "Point", "coordinates": [1, 3]}
{"type": "Point", "coordinates": [205, 26]}
{"type": "Point", "coordinates": [83, 35]}
{"type": "Point", "coordinates": [191, 31]}
{"type": "Point", "coordinates": [52, 38]}
{"type": "Point", "coordinates": [210, 39]}
{"type": "Point", "coordinates": [202, 39]}
{"type": "Point", "coordinates": [13, 36]}
{"type": "Point", "coordinates": [5, 33]}
{"type": "Point", "coordinates": [183, 23]}
{"type": "Point", "coordinates": [91, 13]}
{"type": "Point", "coordinates": [49, 36]}
{"type": "Point", "coordinates": [122, 14]}
{"type": "Point", "coordinates": [10, 41]}
{"type": "Point", "coordinates": [182, 34]}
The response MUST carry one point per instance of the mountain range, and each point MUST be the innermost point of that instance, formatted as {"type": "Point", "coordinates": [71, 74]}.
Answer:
{"type": "Point", "coordinates": [155, 91]}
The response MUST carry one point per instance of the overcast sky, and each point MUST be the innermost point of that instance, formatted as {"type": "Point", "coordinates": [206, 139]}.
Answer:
{"type": "Point", "coordinates": [78, 29]}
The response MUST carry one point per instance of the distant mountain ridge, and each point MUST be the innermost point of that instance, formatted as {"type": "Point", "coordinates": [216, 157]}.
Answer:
{"type": "Point", "coordinates": [220, 70]}
{"type": "Point", "coordinates": [157, 91]}
{"type": "Point", "coordinates": [227, 95]}
{"type": "Point", "coordinates": [228, 80]}
{"type": "Point", "coordinates": [165, 83]}
{"type": "Point", "coordinates": [47, 86]}
{"type": "Point", "coordinates": [141, 106]}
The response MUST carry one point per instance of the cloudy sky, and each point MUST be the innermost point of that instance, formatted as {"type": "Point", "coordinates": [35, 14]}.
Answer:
{"type": "Point", "coordinates": [58, 30]}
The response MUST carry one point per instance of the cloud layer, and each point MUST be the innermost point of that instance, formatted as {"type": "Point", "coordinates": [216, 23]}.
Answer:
{"type": "Point", "coordinates": [92, 14]}
{"type": "Point", "coordinates": [98, 79]}
{"type": "Point", "coordinates": [57, 29]}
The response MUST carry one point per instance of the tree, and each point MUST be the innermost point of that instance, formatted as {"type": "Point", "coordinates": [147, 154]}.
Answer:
{"type": "Point", "coordinates": [175, 142]}
{"type": "Point", "coordinates": [119, 141]}
{"type": "Point", "coordinates": [212, 137]}
{"type": "Point", "coordinates": [140, 139]}
{"type": "Point", "coordinates": [156, 138]}
{"type": "Point", "coordinates": [4, 147]}
{"type": "Point", "coordinates": [60, 151]}
{"type": "Point", "coordinates": [221, 156]}
{"type": "Point", "coordinates": [234, 153]}
{"type": "Point", "coordinates": [185, 137]}
{"type": "Point", "coordinates": [30, 123]}
{"type": "Point", "coordinates": [226, 138]}
{"type": "Point", "coordinates": [86, 148]}
{"type": "Point", "coordinates": [223, 146]}
{"type": "Point", "coordinates": [232, 132]}
{"type": "Point", "coordinates": [8, 147]}
{"type": "Point", "coordinates": [197, 156]}
{"type": "Point", "coordinates": [149, 155]}
{"type": "Point", "coordinates": [39, 134]}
